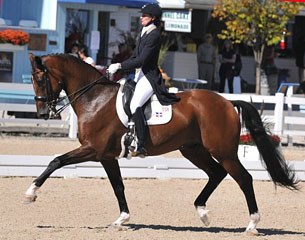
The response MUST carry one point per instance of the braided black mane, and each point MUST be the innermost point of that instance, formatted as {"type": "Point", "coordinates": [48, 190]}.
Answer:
{"type": "Point", "coordinates": [71, 58]}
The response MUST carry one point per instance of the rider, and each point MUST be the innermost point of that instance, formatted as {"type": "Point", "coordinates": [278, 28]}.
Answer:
{"type": "Point", "coordinates": [148, 77]}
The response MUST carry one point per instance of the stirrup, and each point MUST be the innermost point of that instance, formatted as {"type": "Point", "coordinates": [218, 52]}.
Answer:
{"type": "Point", "coordinates": [141, 152]}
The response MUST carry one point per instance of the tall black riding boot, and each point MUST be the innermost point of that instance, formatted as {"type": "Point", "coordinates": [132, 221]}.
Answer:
{"type": "Point", "coordinates": [141, 131]}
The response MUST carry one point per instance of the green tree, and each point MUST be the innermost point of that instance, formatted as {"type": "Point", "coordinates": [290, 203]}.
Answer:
{"type": "Point", "coordinates": [256, 23]}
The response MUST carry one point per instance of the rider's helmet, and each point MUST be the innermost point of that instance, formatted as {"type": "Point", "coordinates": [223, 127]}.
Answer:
{"type": "Point", "coordinates": [153, 10]}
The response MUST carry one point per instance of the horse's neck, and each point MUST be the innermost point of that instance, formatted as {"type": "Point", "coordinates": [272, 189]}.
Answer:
{"type": "Point", "coordinates": [75, 81]}
{"type": "Point", "coordinates": [81, 77]}
{"type": "Point", "coordinates": [89, 96]}
{"type": "Point", "coordinates": [82, 83]}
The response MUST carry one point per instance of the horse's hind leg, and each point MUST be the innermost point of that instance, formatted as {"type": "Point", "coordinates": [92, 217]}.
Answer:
{"type": "Point", "coordinates": [201, 158]}
{"type": "Point", "coordinates": [245, 182]}
{"type": "Point", "coordinates": [79, 155]}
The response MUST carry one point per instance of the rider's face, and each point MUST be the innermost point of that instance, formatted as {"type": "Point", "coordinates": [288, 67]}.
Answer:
{"type": "Point", "coordinates": [146, 19]}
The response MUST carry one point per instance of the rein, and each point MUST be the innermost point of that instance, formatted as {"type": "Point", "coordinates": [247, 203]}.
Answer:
{"type": "Point", "coordinates": [50, 99]}
{"type": "Point", "coordinates": [78, 93]}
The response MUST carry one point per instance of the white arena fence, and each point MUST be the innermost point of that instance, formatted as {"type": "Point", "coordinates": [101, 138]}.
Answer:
{"type": "Point", "coordinates": [287, 117]}
{"type": "Point", "coordinates": [151, 167]}
{"type": "Point", "coordinates": [16, 97]}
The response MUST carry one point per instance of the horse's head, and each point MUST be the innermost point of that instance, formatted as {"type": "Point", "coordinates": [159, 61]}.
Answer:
{"type": "Point", "coordinates": [46, 88]}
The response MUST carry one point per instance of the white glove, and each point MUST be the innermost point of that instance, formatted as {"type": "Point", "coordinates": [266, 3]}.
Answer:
{"type": "Point", "coordinates": [113, 68]}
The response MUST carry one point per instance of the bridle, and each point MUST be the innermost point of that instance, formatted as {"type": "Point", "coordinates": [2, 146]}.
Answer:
{"type": "Point", "coordinates": [50, 99]}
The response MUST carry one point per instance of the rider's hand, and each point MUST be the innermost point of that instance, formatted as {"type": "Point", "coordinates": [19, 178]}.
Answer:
{"type": "Point", "coordinates": [113, 68]}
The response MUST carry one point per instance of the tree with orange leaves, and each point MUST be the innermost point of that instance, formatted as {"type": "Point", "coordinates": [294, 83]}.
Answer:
{"type": "Point", "coordinates": [256, 23]}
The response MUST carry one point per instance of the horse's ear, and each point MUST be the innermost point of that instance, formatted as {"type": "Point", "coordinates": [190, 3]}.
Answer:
{"type": "Point", "coordinates": [36, 61]}
{"type": "Point", "coordinates": [32, 59]}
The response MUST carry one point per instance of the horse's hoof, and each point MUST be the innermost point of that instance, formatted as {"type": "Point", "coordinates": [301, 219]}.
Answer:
{"type": "Point", "coordinates": [117, 227]}
{"type": "Point", "coordinates": [204, 215]}
{"type": "Point", "coordinates": [252, 232]}
{"type": "Point", "coordinates": [123, 218]}
{"type": "Point", "coordinates": [206, 220]}
{"type": "Point", "coordinates": [29, 199]}
{"type": "Point", "coordinates": [254, 220]}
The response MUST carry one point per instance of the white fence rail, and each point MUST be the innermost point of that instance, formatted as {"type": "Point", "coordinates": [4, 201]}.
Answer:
{"type": "Point", "coordinates": [25, 93]}
{"type": "Point", "coordinates": [285, 122]}
{"type": "Point", "coordinates": [150, 167]}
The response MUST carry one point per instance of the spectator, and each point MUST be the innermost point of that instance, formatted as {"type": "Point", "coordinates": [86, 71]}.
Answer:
{"type": "Point", "coordinates": [75, 49]}
{"type": "Point", "coordinates": [206, 58]}
{"type": "Point", "coordinates": [227, 58]}
{"type": "Point", "coordinates": [83, 54]}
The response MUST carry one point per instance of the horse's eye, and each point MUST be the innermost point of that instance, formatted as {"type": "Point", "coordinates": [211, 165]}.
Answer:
{"type": "Point", "coordinates": [41, 82]}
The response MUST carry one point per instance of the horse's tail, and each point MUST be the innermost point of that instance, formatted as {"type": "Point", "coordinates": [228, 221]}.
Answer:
{"type": "Point", "coordinates": [279, 170]}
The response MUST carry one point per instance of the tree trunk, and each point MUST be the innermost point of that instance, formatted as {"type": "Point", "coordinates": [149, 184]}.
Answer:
{"type": "Point", "coordinates": [258, 79]}
{"type": "Point", "coordinates": [258, 57]}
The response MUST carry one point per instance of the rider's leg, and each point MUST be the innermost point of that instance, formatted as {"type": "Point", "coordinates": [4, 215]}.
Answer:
{"type": "Point", "coordinates": [142, 94]}
{"type": "Point", "coordinates": [141, 131]}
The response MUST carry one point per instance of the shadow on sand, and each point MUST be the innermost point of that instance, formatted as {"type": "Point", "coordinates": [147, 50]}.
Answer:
{"type": "Point", "coordinates": [263, 231]}
{"type": "Point", "coordinates": [134, 227]}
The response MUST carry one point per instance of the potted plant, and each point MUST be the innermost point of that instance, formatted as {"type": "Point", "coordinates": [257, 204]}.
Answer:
{"type": "Point", "coordinates": [167, 42]}
{"type": "Point", "coordinates": [15, 37]}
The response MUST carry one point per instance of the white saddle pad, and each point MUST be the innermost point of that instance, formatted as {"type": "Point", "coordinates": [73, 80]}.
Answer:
{"type": "Point", "coordinates": [159, 114]}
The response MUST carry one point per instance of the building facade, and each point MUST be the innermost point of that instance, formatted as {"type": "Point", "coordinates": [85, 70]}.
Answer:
{"type": "Point", "coordinates": [54, 25]}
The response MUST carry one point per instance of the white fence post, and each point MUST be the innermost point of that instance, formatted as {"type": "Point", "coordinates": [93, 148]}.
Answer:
{"type": "Point", "coordinates": [289, 106]}
{"type": "Point", "coordinates": [73, 124]}
{"type": "Point", "coordinates": [279, 113]}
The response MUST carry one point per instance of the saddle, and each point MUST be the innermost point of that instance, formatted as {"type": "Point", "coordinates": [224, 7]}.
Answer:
{"type": "Point", "coordinates": [128, 91]}
{"type": "Point", "coordinates": [154, 112]}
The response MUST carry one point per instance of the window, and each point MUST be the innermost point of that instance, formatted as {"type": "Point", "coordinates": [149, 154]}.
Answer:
{"type": "Point", "coordinates": [77, 25]}
{"type": "Point", "coordinates": [135, 25]}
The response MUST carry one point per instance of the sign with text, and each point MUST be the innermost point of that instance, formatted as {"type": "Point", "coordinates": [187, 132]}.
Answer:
{"type": "Point", "coordinates": [177, 21]}
{"type": "Point", "coordinates": [95, 40]}
{"type": "Point", "coordinates": [38, 42]}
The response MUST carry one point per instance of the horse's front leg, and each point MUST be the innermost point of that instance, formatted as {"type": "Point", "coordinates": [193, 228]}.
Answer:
{"type": "Point", "coordinates": [113, 171]}
{"type": "Point", "coordinates": [79, 155]}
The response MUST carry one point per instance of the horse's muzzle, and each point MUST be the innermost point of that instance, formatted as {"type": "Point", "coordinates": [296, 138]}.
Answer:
{"type": "Point", "coordinates": [43, 113]}
{"type": "Point", "coordinates": [44, 116]}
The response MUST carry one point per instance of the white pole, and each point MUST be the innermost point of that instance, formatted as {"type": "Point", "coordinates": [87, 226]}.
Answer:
{"type": "Point", "coordinates": [289, 94]}
{"type": "Point", "coordinates": [279, 113]}
{"type": "Point", "coordinates": [289, 106]}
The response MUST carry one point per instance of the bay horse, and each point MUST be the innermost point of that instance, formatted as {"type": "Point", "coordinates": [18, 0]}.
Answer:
{"type": "Point", "coordinates": [205, 128]}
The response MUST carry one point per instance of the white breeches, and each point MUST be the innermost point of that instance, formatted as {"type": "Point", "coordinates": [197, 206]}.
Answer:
{"type": "Point", "coordinates": [142, 93]}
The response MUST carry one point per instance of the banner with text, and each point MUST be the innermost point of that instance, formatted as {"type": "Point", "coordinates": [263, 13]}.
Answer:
{"type": "Point", "coordinates": [177, 21]}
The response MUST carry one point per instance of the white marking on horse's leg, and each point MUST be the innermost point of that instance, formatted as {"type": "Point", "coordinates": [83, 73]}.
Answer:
{"type": "Point", "coordinates": [204, 215]}
{"type": "Point", "coordinates": [254, 219]}
{"type": "Point", "coordinates": [30, 194]}
{"type": "Point", "coordinates": [123, 218]}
